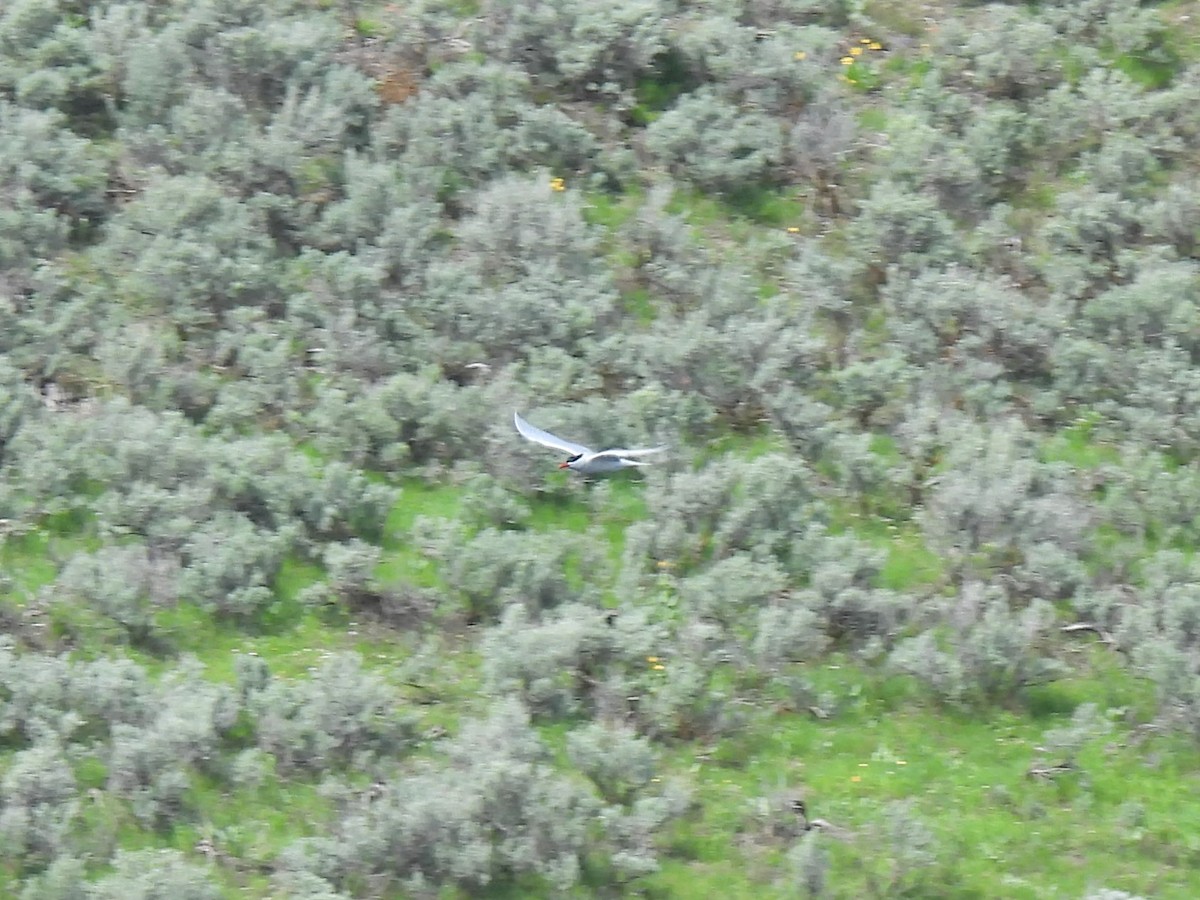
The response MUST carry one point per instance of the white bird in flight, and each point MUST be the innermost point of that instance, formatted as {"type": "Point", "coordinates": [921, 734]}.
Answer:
{"type": "Point", "coordinates": [580, 458]}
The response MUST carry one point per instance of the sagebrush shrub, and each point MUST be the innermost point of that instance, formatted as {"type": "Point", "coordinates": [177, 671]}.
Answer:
{"type": "Point", "coordinates": [494, 813]}
{"type": "Point", "coordinates": [990, 651]}
{"type": "Point", "coordinates": [716, 146]}
{"type": "Point", "coordinates": [38, 803]}
{"type": "Point", "coordinates": [339, 716]}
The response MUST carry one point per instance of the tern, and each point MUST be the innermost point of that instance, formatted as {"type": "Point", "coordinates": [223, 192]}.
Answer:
{"type": "Point", "coordinates": [580, 458]}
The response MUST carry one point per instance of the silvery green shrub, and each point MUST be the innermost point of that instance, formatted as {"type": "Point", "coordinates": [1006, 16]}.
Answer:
{"type": "Point", "coordinates": [341, 715]}
{"type": "Point", "coordinates": [989, 650]}
{"type": "Point", "coordinates": [492, 813]}
{"type": "Point", "coordinates": [996, 507]}
{"type": "Point", "coordinates": [716, 146]}
{"type": "Point", "coordinates": [38, 803]}
{"type": "Point", "coordinates": [553, 665]}
{"type": "Point", "coordinates": [147, 874]}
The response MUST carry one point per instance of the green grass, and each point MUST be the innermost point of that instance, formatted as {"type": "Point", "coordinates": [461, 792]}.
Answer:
{"type": "Point", "coordinates": [1154, 73]}
{"type": "Point", "coordinates": [745, 444]}
{"type": "Point", "coordinates": [658, 92]}
{"type": "Point", "coordinates": [1078, 446]}
{"type": "Point", "coordinates": [192, 631]}
{"type": "Point", "coordinates": [26, 561]}
{"type": "Point", "coordinates": [638, 304]}
{"type": "Point", "coordinates": [966, 776]}
{"type": "Point", "coordinates": [611, 211]}
{"type": "Point", "coordinates": [1125, 819]}
{"type": "Point", "coordinates": [964, 772]}
{"type": "Point", "coordinates": [910, 564]}
{"type": "Point", "coordinates": [872, 118]}
{"type": "Point", "coordinates": [739, 215]}
{"type": "Point", "coordinates": [403, 561]}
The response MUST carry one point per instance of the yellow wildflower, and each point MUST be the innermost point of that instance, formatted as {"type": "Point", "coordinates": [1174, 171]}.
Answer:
{"type": "Point", "coordinates": [792, 229]}
{"type": "Point", "coordinates": [865, 41]}
{"type": "Point", "coordinates": [558, 184]}
{"type": "Point", "coordinates": [800, 54]}
{"type": "Point", "coordinates": [658, 667]}
{"type": "Point", "coordinates": [875, 45]}
{"type": "Point", "coordinates": [856, 51]}
{"type": "Point", "coordinates": [855, 778]}
{"type": "Point", "coordinates": [847, 60]}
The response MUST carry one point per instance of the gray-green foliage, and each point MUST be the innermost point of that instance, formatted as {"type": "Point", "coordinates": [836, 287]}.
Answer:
{"type": "Point", "coordinates": [962, 331]}
{"type": "Point", "coordinates": [254, 51]}
{"type": "Point", "coordinates": [150, 763]}
{"type": "Point", "coordinates": [1012, 55]}
{"type": "Point", "coordinates": [490, 503]}
{"type": "Point", "coordinates": [722, 346]}
{"type": "Point", "coordinates": [623, 768]}
{"type": "Point", "coordinates": [567, 660]}
{"type": "Point", "coordinates": [493, 568]}
{"type": "Point", "coordinates": [748, 56]}
{"type": "Point", "coordinates": [63, 879]}
{"type": "Point", "coordinates": [147, 874]}
{"type": "Point", "coordinates": [924, 158]}
{"type": "Point", "coordinates": [904, 229]}
{"type": "Point", "coordinates": [688, 693]}
{"type": "Point", "coordinates": [1159, 625]}
{"type": "Point", "coordinates": [46, 60]}
{"type": "Point", "coordinates": [228, 564]}
{"type": "Point", "coordinates": [716, 146]}
{"type": "Point", "coordinates": [127, 584]}
{"type": "Point", "coordinates": [199, 253]}
{"type": "Point", "coordinates": [1087, 724]}
{"type": "Point", "coordinates": [18, 402]}
{"type": "Point", "coordinates": [553, 665]}
{"type": "Point", "coordinates": [593, 49]}
{"type": "Point", "coordinates": [990, 649]}
{"type": "Point", "coordinates": [1132, 354]}
{"type": "Point", "coordinates": [732, 588]}
{"type": "Point", "coordinates": [224, 511]}
{"type": "Point", "coordinates": [48, 167]}
{"type": "Point", "coordinates": [525, 277]}
{"type": "Point", "coordinates": [136, 875]}
{"type": "Point", "coordinates": [494, 812]}
{"type": "Point", "coordinates": [907, 842]}
{"type": "Point", "coordinates": [148, 740]}
{"type": "Point", "coordinates": [731, 505]}
{"type": "Point", "coordinates": [474, 122]}
{"type": "Point", "coordinates": [351, 566]}
{"type": "Point", "coordinates": [341, 715]}
{"type": "Point", "coordinates": [231, 227]}
{"type": "Point", "coordinates": [996, 509]}
{"type": "Point", "coordinates": [841, 574]}
{"type": "Point", "coordinates": [74, 700]}
{"type": "Point", "coordinates": [617, 761]}
{"type": "Point", "coordinates": [38, 801]}
{"type": "Point", "coordinates": [809, 862]}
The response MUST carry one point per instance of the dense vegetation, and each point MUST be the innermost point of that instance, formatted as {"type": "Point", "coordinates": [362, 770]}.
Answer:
{"type": "Point", "coordinates": [911, 291]}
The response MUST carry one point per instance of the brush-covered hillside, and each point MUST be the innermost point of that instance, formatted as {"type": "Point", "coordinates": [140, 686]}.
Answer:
{"type": "Point", "coordinates": [909, 606]}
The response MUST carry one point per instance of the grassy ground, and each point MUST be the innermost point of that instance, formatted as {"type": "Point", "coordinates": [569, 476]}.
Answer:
{"type": "Point", "coordinates": [926, 800]}
{"type": "Point", "coordinates": [970, 820]}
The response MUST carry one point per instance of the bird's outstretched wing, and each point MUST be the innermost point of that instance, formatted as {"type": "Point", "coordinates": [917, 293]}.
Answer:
{"type": "Point", "coordinates": [633, 454]}
{"type": "Point", "coordinates": [546, 439]}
